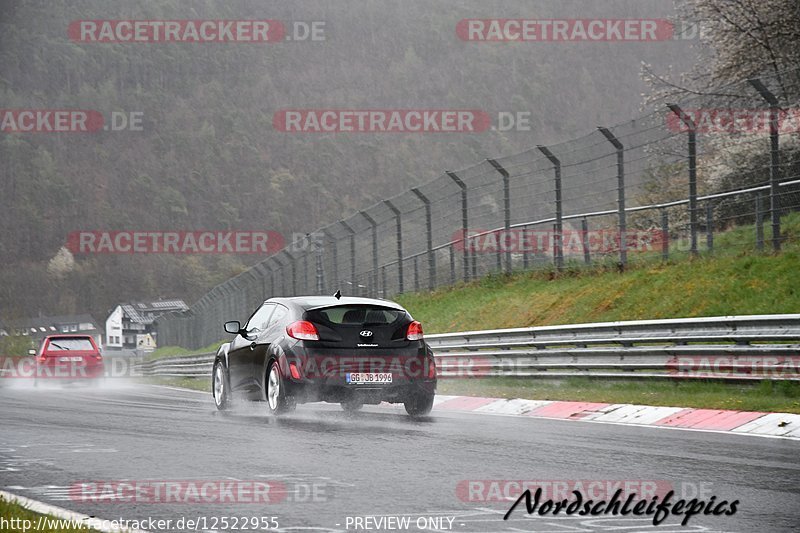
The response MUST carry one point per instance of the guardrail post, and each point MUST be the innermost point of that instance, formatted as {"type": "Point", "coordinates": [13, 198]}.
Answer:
{"type": "Point", "coordinates": [506, 208]}
{"type": "Point", "coordinates": [429, 237]}
{"type": "Point", "coordinates": [664, 234]}
{"type": "Point", "coordinates": [558, 251]}
{"type": "Point", "coordinates": [759, 222]}
{"type": "Point", "coordinates": [709, 226]}
{"type": "Point", "coordinates": [585, 240]}
{"type": "Point", "coordinates": [692, 129]}
{"type": "Point", "coordinates": [352, 237]}
{"type": "Point", "coordinates": [374, 276]}
{"type": "Point", "coordinates": [774, 164]}
{"type": "Point", "coordinates": [622, 223]}
{"type": "Point", "coordinates": [464, 219]}
{"type": "Point", "coordinates": [399, 238]}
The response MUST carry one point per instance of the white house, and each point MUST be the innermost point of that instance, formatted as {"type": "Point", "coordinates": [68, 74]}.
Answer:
{"type": "Point", "coordinates": [130, 326]}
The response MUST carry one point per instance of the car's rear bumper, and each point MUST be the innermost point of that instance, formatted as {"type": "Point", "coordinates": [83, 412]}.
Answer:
{"type": "Point", "coordinates": [323, 373]}
{"type": "Point", "coordinates": [303, 391]}
{"type": "Point", "coordinates": [66, 371]}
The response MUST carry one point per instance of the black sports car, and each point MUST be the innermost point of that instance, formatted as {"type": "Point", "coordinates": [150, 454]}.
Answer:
{"type": "Point", "coordinates": [352, 351]}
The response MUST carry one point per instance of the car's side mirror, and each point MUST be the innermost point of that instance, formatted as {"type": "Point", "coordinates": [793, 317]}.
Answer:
{"type": "Point", "coordinates": [233, 327]}
{"type": "Point", "coordinates": [31, 352]}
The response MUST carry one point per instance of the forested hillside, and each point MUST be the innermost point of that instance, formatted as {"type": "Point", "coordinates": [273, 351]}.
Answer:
{"type": "Point", "coordinates": [207, 156]}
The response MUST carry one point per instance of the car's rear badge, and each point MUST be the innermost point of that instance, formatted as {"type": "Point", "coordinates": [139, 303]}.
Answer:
{"type": "Point", "coordinates": [366, 333]}
{"type": "Point", "coordinates": [367, 345]}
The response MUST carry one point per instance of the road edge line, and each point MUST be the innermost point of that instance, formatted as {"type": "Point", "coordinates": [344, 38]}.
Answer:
{"type": "Point", "coordinates": [65, 514]}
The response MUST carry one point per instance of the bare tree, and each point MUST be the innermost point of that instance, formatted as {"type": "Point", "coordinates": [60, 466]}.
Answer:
{"type": "Point", "coordinates": [739, 39]}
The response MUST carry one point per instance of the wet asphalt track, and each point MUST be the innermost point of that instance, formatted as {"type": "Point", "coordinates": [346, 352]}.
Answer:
{"type": "Point", "coordinates": [379, 462]}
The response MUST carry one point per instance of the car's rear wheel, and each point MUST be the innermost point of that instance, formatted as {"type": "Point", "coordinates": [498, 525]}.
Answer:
{"type": "Point", "coordinates": [220, 386]}
{"type": "Point", "coordinates": [277, 401]}
{"type": "Point", "coordinates": [419, 404]}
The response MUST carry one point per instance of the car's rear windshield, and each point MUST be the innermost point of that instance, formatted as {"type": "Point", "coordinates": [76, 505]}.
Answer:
{"type": "Point", "coordinates": [357, 315]}
{"type": "Point", "coordinates": [58, 344]}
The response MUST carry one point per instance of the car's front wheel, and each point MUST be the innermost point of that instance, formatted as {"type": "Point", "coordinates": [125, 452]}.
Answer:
{"type": "Point", "coordinates": [220, 386]}
{"type": "Point", "coordinates": [277, 401]}
{"type": "Point", "coordinates": [419, 404]}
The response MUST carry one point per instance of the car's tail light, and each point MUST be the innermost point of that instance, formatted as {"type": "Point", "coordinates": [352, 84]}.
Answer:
{"type": "Point", "coordinates": [431, 368]}
{"type": "Point", "coordinates": [414, 331]}
{"type": "Point", "coordinates": [302, 330]}
{"type": "Point", "coordinates": [294, 371]}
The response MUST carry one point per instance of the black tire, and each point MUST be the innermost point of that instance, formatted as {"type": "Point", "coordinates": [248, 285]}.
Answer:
{"type": "Point", "coordinates": [277, 402]}
{"type": "Point", "coordinates": [221, 389]}
{"type": "Point", "coordinates": [352, 406]}
{"type": "Point", "coordinates": [419, 404]}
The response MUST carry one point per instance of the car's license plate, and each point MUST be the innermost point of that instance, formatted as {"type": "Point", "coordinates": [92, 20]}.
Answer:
{"type": "Point", "coordinates": [368, 378]}
{"type": "Point", "coordinates": [75, 359]}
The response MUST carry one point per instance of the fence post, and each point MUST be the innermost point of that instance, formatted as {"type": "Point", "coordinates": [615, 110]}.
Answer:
{"type": "Point", "coordinates": [399, 238]}
{"type": "Point", "coordinates": [692, 130]}
{"type": "Point", "coordinates": [305, 271]}
{"type": "Point", "coordinates": [352, 256]}
{"type": "Point", "coordinates": [622, 223]}
{"type": "Point", "coordinates": [416, 274]}
{"type": "Point", "coordinates": [774, 164]}
{"type": "Point", "coordinates": [506, 207]}
{"type": "Point", "coordinates": [335, 250]}
{"type": "Point", "coordinates": [759, 223]}
{"type": "Point", "coordinates": [558, 251]}
{"type": "Point", "coordinates": [318, 249]}
{"type": "Point", "coordinates": [429, 237]}
{"type": "Point", "coordinates": [452, 265]}
{"type": "Point", "coordinates": [464, 219]}
{"type": "Point", "coordinates": [585, 239]}
{"type": "Point", "coordinates": [709, 226]}
{"type": "Point", "coordinates": [664, 234]}
{"type": "Point", "coordinates": [271, 282]}
{"type": "Point", "coordinates": [374, 277]}
{"type": "Point", "coordinates": [292, 264]}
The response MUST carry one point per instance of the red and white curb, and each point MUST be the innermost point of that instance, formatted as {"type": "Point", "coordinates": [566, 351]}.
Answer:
{"type": "Point", "coordinates": [759, 424]}
{"type": "Point", "coordinates": [59, 513]}
{"type": "Point", "coordinates": [742, 422]}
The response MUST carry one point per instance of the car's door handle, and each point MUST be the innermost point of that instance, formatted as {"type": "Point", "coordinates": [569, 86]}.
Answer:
{"type": "Point", "coordinates": [252, 346]}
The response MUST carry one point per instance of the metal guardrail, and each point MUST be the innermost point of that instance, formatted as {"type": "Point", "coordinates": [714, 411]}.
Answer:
{"type": "Point", "coordinates": [743, 348]}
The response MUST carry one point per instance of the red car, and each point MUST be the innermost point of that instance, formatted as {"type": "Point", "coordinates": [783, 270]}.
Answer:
{"type": "Point", "coordinates": [68, 358]}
